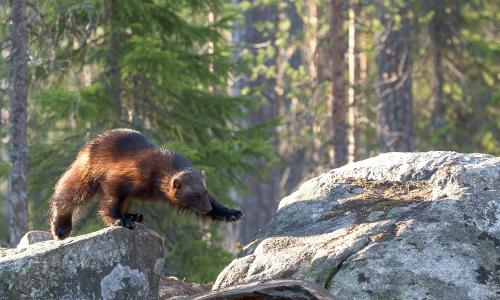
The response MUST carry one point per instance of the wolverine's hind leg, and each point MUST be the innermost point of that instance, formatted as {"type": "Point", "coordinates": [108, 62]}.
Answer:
{"type": "Point", "coordinates": [62, 206]}
{"type": "Point", "coordinates": [71, 191]}
{"type": "Point", "coordinates": [61, 224]}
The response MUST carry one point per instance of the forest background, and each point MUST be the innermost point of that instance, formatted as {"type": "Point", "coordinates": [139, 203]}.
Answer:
{"type": "Point", "coordinates": [261, 94]}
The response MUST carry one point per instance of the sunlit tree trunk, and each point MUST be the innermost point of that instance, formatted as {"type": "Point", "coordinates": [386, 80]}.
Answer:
{"type": "Point", "coordinates": [394, 76]}
{"type": "Point", "coordinates": [18, 188]}
{"type": "Point", "coordinates": [337, 93]}
{"type": "Point", "coordinates": [353, 112]}
{"type": "Point", "coordinates": [310, 59]}
{"type": "Point", "coordinates": [311, 40]}
{"type": "Point", "coordinates": [362, 97]}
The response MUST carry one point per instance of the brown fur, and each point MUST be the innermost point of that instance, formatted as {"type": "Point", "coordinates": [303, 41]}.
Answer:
{"type": "Point", "coordinates": [120, 165]}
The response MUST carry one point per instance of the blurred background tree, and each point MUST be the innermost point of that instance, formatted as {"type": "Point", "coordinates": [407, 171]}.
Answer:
{"type": "Point", "coordinates": [287, 89]}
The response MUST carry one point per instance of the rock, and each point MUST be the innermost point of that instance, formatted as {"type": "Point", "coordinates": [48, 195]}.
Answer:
{"type": "Point", "coordinates": [171, 286]}
{"type": "Point", "coordinates": [399, 225]}
{"type": "Point", "coordinates": [32, 237]}
{"type": "Point", "coordinates": [272, 289]}
{"type": "Point", "coordinates": [113, 263]}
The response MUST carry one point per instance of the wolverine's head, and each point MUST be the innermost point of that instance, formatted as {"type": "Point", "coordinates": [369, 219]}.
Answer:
{"type": "Point", "coordinates": [188, 188]}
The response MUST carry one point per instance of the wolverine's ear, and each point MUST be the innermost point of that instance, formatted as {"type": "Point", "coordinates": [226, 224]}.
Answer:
{"type": "Point", "coordinates": [176, 183]}
{"type": "Point", "coordinates": [203, 173]}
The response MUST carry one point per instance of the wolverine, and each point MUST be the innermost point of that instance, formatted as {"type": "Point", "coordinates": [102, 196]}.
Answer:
{"type": "Point", "coordinates": [121, 166]}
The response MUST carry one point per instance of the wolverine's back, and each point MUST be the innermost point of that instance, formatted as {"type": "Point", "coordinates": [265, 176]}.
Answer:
{"type": "Point", "coordinates": [118, 143]}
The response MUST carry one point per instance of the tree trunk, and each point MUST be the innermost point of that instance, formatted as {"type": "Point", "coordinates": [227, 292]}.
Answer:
{"type": "Point", "coordinates": [114, 60]}
{"type": "Point", "coordinates": [18, 188]}
{"type": "Point", "coordinates": [353, 112]}
{"type": "Point", "coordinates": [311, 40]}
{"type": "Point", "coordinates": [437, 120]}
{"type": "Point", "coordinates": [312, 121]}
{"type": "Point", "coordinates": [338, 101]}
{"type": "Point", "coordinates": [394, 75]}
{"type": "Point", "coordinates": [437, 79]}
{"type": "Point", "coordinates": [280, 61]}
{"type": "Point", "coordinates": [362, 99]}
{"type": "Point", "coordinates": [262, 200]}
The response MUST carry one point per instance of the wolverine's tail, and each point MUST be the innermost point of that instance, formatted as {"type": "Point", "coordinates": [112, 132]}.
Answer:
{"type": "Point", "coordinates": [74, 187]}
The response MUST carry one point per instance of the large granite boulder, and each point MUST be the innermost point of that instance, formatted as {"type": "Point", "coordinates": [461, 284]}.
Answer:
{"type": "Point", "coordinates": [400, 225]}
{"type": "Point", "coordinates": [113, 263]}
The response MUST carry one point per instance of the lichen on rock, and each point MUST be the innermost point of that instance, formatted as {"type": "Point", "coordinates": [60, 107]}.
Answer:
{"type": "Point", "coordinates": [124, 282]}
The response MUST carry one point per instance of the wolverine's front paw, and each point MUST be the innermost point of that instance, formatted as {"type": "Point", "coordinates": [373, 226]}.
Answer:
{"type": "Point", "coordinates": [134, 217]}
{"type": "Point", "coordinates": [227, 214]}
{"type": "Point", "coordinates": [233, 215]}
{"type": "Point", "coordinates": [125, 222]}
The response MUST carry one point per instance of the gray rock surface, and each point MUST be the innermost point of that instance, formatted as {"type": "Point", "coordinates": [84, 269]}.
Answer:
{"type": "Point", "coordinates": [113, 263]}
{"type": "Point", "coordinates": [396, 226]}
{"type": "Point", "coordinates": [272, 289]}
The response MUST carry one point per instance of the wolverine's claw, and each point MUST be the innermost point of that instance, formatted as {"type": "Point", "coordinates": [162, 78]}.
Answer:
{"type": "Point", "coordinates": [129, 224]}
{"type": "Point", "coordinates": [233, 215]}
{"type": "Point", "coordinates": [226, 214]}
{"type": "Point", "coordinates": [134, 217]}
{"type": "Point", "coordinates": [125, 222]}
